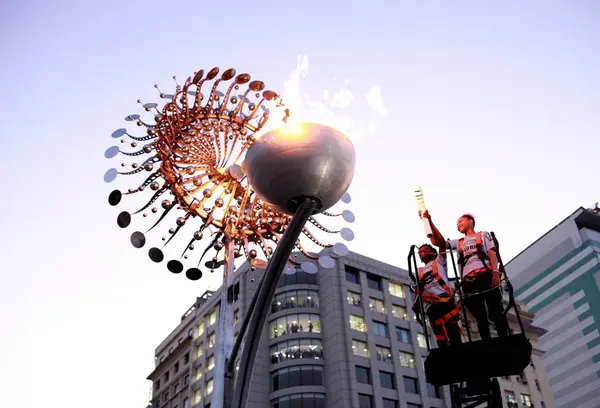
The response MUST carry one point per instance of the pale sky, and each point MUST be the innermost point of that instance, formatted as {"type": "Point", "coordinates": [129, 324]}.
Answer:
{"type": "Point", "coordinates": [492, 107]}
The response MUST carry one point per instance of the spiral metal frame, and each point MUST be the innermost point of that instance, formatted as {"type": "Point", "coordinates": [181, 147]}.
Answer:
{"type": "Point", "coordinates": [194, 153]}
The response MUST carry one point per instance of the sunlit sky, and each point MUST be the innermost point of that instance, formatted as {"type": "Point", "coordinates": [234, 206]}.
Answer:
{"type": "Point", "coordinates": [492, 107]}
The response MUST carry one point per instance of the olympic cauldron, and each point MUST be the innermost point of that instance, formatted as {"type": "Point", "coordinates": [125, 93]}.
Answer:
{"type": "Point", "coordinates": [298, 161]}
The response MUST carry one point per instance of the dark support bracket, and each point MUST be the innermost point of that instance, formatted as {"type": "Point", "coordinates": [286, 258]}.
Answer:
{"type": "Point", "coordinates": [265, 295]}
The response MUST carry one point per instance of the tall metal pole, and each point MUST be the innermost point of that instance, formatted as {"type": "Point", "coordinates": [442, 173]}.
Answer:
{"type": "Point", "coordinates": [225, 331]}
{"type": "Point", "coordinates": [265, 296]}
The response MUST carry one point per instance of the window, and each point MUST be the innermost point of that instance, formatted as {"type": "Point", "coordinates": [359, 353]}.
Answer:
{"type": "Point", "coordinates": [511, 400]}
{"type": "Point", "coordinates": [365, 401]}
{"type": "Point", "coordinates": [191, 332]}
{"type": "Point", "coordinates": [357, 323]}
{"type": "Point", "coordinates": [233, 293]}
{"type": "Point", "coordinates": [421, 341]}
{"type": "Point", "coordinates": [212, 316]}
{"type": "Point", "coordinates": [354, 299]}
{"type": "Point", "coordinates": [200, 350]}
{"type": "Point", "coordinates": [186, 403]}
{"type": "Point", "coordinates": [296, 349]}
{"type": "Point", "coordinates": [433, 391]}
{"type": "Point", "coordinates": [300, 400]}
{"type": "Point", "coordinates": [186, 358]}
{"type": "Point", "coordinates": [363, 375]}
{"type": "Point", "coordinates": [167, 376]}
{"type": "Point", "coordinates": [180, 340]}
{"type": "Point", "coordinates": [396, 289]}
{"type": "Point", "coordinates": [388, 403]}
{"type": "Point", "coordinates": [296, 377]}
{"type": "Point", "coordinates": [352, 274]}
{"type": "Point", "coordinates": [210, 364]}
{"type": "Point", "coordinates": [526, 400]}
{"type": "Point", "coordinates": [295, 323]}
{"type": "Point", "coordinates": [386, 380]}
{"type": "Point", "coordinates": [411, 385]}
{"type": "Point", "coordinates": [200, 328]}
{"type": "Point", "coordinates": [295, 298]}
{"type": "Point", "coordinates": [199, 373]}
{"type": "Point", "coordinates": [157, 385]}
{"type": "Point", "coordinates": [376, 305]}
{"type": "Point", "coordinates": [186, 379]}
{"type": "Point", "coordinates": [197, 397]}
{"type": "Point", "coordinates": [384, 354]}
{"type": "Point", "coordinates": [403, 335]}
{"type": "Point", "coordinates": [373, 281]}
{"type": "Point", "coordinates": [211, 340]}
{"type": "Point", "coordinates": [209, 387]}
{"type": "Point", "coordinates": [176, 367]}
{"type": "Point", "coordinates": [359, 348]}
{"type": "Point", "coordinates": [380, 329]}
{"type": "Point", "coordinates": [406, 359]}
{"type": "Point", "coordinates": [298, 278]}
{"type": "Point", "coordinates": [411, 405]}
{"type": "Point", "coordinates": [399, 312]}
{"type": "Point", "coordinates": [175, 387]}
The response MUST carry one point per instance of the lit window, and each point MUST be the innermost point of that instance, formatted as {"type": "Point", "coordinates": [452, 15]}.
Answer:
{"type": "Point", "coordinates": [200, 350]}
{"type": "Point", "coordinates": [526, 400]}
{"type": "Point", "coordinates": [511, 399]}
{"type": "Point", "coordinates": [359, 348]}
{"type": "Point", "coordinates": [200, 328]}
{"type": "Point", "coordinates": [210, 363]}
{"type": "Point", "coordinates": [376, 305]}
{"type": "Point", "coordinates": [209, 387]}
{"type": "Point", "coordinates": [421, 341]}
{"type": "Point", "coordinates": [199, 373]}
{"type": "Point", "coordinates": [212, 317]}
{"type": "Point", "coordinates": [197, 397]}
{"type": "Point", "coordinates": [399, 312]}
{"type": "Point", "coordinates": [396, 289]}
{"type": "Point", "coordinates": [357, 323]}
{"type": "Point", "coordinates": [354, 299]}
{"type": "Point", "coordinates": [211, 340]}
{"type": "Point", "coordinates": [236, 317]}
{"type": "Point", "coordinates": [406, 359]}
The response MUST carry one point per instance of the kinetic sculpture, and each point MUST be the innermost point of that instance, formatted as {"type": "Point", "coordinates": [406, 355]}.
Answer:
{"type": "Point", "coordinates": [195, 153]}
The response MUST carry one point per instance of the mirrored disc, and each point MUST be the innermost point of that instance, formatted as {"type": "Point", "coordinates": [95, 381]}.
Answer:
{"type": "Point", "coordinates": [133, 117]}
{"type": "Point", "coordinates": [114, 197]}
{"type": "Point", "coordinates": [346, 198]}
{"type": "Point", "coordinates": [111, 152]}
{"type": "Point", "coordinates": [348, 216]}
{"type": "Point", "coordinates": [150, 105]}
{"type": "Point", "coordinates": [236, 171]}
{"type": "Point", "coordinates": [124, 219]}
{"type": "Point", "coordinates": [220, 94]}
{"type": "Point", "coordinates": [138, 239]}
{"type": "Point", "coordinates": [309, 267]}
{"type": "Point", "coordinates": [340, 249]}
{"type": "Point", "coordinates": [289, 269]}
{"type": "Point", "coordinates": [326, 262]}
{"type": "Point", "coordinates": [191, 93]}
{"type": "Point", "coordinates": [156, 255]}
{"type": "Point", "coordinates": [214, 265]}
{"type": "Point", "coordinates": [193, 274]}
{"type": "Point", "coordinates": [168, 96]}
{"type": "Point", "coordinates": [347, 234]}
{"type": "Point", "coordinates": [174, 266]}
{"type": "Point", "coordinates": [119, 133]}
{"type": "Point", "coordinates": [110, 175]}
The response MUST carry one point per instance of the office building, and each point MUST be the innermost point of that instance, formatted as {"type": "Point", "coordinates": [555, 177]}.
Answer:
{"type": "Point", "coordinates": [557, 277]}
{"type": "Point", "coordinates": [343, 337]}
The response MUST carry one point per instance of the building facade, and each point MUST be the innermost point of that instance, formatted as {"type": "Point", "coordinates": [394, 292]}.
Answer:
{"type": "Point", "coordinates": [343, 337]}
{"type": "Point", "coordinates": [557, 277]}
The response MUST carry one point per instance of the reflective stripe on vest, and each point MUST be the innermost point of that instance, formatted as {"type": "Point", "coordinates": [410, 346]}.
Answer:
{"type": "Point", "coordinates": [479, 243]}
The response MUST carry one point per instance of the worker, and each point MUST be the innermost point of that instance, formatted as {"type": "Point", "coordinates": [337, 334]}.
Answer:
{"type": "Point", "coordinates": [480, 278]}
{"type": "Point", "coordinates": [438, 299]}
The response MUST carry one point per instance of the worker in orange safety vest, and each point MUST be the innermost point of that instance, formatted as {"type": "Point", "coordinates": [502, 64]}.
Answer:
{"type": "Point", "coordinates": [480, 278]}
{"type": "Point", "coordinates": [438, 299]}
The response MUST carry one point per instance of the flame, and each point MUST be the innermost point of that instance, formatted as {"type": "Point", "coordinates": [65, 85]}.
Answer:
{"type": "Point", "coordinates": [332, 110]}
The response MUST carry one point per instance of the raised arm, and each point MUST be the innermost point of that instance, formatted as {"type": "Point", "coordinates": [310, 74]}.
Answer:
{"type": "Point", "coordinates": [437, 238]}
